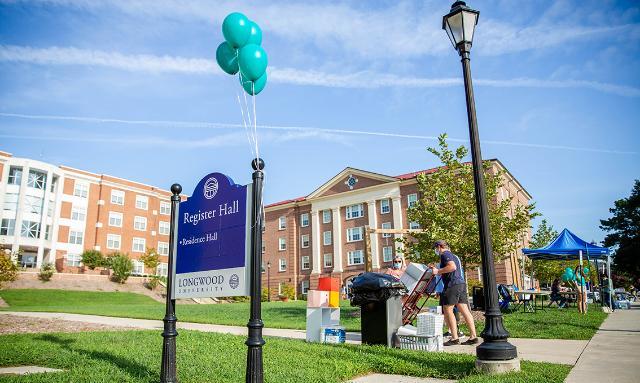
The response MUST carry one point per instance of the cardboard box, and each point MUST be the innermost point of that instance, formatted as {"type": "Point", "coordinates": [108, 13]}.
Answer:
{"type": "Point", "coordinates": [328, 284]}
{"type": "Point", "coordinates": [317, 298]}
{"type": "Point", "coordinates": [334, 299]}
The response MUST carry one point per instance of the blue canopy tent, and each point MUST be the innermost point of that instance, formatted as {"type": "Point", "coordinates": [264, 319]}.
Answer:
{"type": "Point", "coordinates": [568, 246]}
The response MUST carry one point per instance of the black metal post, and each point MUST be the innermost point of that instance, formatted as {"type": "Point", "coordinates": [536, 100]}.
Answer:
{"type": "Point", "coordinates": [268, 281]}
{"type": "Point", "coordinates": [255, 341]}
{"type": "Point", "coordinates": [168, 367]}
{"type": "Point", "coordinates": [495, 345]}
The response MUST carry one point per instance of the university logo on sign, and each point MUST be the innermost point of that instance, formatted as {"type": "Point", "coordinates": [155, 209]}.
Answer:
{"type": "Point", "coordinates": [213, 247]}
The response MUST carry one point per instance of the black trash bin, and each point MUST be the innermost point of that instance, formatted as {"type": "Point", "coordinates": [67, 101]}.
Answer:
{"type": "Point", "coordinates": [379, 298]}
{"type": "Point", "coordinates": [478, 298]}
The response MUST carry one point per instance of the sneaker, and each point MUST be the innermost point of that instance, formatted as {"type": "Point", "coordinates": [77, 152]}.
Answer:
{"type": "Point", "coordinates": [471, 341]}
{"type": "Point", "coordinates": [447, 334]}
{"type": "Point", "coordinates": [452, 342]}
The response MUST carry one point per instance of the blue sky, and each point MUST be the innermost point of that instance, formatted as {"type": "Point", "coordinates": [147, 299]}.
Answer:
{"type": "Point", "coordinates": [131, 89]}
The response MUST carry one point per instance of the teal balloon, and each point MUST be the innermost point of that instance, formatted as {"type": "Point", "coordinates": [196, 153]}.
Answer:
{"type": "Point", "coordinates": [568, 270]}
{"type": "Point", "coordinates": [565, 277]}
{"type": "Point", "coordinates": [252, 60]}
{"type": "Point", "coordinates": [236, 29]}
{"type": "Point", "coordinates": [585, 271]}
{"type": "Point", "coordinates": [257, 87]}
{"type": "Point", "coordinates": [255, 37]}
{"type": "Point", "coordinates": [227, 58]}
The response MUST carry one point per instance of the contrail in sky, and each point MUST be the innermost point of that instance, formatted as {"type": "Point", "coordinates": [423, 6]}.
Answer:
{"type": "Point", "coordinates": [221, 125]}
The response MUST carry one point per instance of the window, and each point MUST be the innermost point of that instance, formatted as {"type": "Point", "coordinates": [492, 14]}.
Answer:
{"type": "Point", "coordinates": [15, 175]}
{"type": "Point", "coordinates": [387, 253]}
{"type": "Point", "coordinates": [73, 260]}
{"type": "Point", "coordinates": [282, 264]}
{"type": "Point", "coordinates": [165, 208]}
{"type": "Point", "coordinates": [139, 223]}
{"type": "Point", "coordinates": [280, 286]}
{"type": "Point", "coordinates": [304, 219]}
{"type": "Point", "coordinates": [47, 232]}
{"type": "Point", "coordinates": [412, 199]}
{"type": "Point", "coordinates": [163, 248]}
{"type": "Point", "coordinates": [414, 225]}
{"type": "Point", "coordinates": [142, 202]}
{"type": "Point", "coordinates": [386, 225]}
{"type": "Point", "coordinates": [326, 216]}
{"type": "Point", "coordinates": [354, 234]}
{"type": "Point", "coordinates": [355, 257]}
{"type": "Point", "coordinates": [11, 201]}
{"type": "Point", "coordinates": [50, 209]}
{"type": "Point", "coordinates": [115, 219]}
{"type": "Point", "coordinates": [304, 262]}
{"type": "Point", "coordinates": [37, 179]}
{"type": "Point", "coordinates": [163, 228]}
{"type": "Point", "coordinates": [54, 183]}
{"type": "Point", "coordinates": [328, 260]}
{"type": "Point", "coordinates": [282, 244]}
{"type": "Point", "coordinates": [113, 241]}
{"type": "Point", "coordinates": [139, 245]}
{"type": "Point", "coordinates": [78, 213]}
{"type": "Point", "coordinates": [7, 227]}
{"type": "Point", "coordinates": [162, 269]}
{"type": "Point", "coordinates": [355, 211]}
{"type": "Point", "coordinates": [80, 189]}
{"type": "Point", "coordinates": [326, 237]}
{"type": "Point", "coordinates": [138, 267]}
{"type": "Point", "coordinates": [117, 197]}
{"type": "Point", "coordinates": [282, 223]}
{"type": "Point", "coordinates": [30, 229]}
{"type": "Point", "coordinates": [304, 287]}
{"type": "Point", "coordinates": [385, 206]}
{"type": "Point", "coordinates": [304, 241]}
{"type": "Point", "coordinates": [75, 237]}
{"type": "Point", "coordinates": [32, 205]}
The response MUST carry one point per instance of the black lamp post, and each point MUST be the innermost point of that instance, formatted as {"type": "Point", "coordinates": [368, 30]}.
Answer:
{"type": "Point", "coordinates": [460, 24]}
{"type": "Point", "coordinates": [268, 281]}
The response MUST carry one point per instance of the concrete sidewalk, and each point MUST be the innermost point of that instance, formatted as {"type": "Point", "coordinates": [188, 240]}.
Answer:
{"type": "Point", "coordinates": [537, 350]}
{"type": "Point", "coordinates": [613, 354]}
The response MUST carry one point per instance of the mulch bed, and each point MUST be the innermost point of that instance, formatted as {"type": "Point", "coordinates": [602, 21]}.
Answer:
{"type": "Point", "coordinates": [14, 324]}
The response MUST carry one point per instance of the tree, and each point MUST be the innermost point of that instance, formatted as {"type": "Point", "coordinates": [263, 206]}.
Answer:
{"type": "Point", "coordinates": [8, 268]}
{"type": "Point", "coordinates": [446, 210]}
{"type": "Point", "coordinates": [121, 266]}
{"type": "Point", "coordinates": [93, 259]}
{"type": "Point", "coordinates": [624, 234]}
{"type": "Point", "coordinates": [150, 258]}
{"type": "Point", "coordinates": [545, 271]}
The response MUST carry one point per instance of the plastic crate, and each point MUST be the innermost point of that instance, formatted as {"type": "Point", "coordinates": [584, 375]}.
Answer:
{"type": "Point", "coordinates": [430, 324]}
{"type": "Point", "coordinates": [421, 343]}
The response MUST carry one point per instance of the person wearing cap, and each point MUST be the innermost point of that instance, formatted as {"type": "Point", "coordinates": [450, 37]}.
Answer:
{"type": "Point", "coordinates": [454, 293]}
{"type": "Point", "coordinates": [397, 267]}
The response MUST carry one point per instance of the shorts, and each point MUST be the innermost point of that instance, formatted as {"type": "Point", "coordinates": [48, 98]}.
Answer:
{"type": "Point", "coordinates": [453, 295]}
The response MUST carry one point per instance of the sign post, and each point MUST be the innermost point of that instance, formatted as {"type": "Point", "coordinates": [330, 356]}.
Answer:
{"type": "Point", "coordinates": [255, 341]}
{"type": "Point", "coordinates": [168, 367]}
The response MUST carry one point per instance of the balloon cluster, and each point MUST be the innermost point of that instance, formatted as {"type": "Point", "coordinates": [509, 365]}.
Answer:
{"type": "Point", "coordinates": [570, 275]}
{"type": "Point", "coordinates": [241, 52]}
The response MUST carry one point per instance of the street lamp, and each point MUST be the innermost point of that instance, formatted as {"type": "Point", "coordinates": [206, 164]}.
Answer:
{"type": "Point", "coordinates": [268, 281]}
{"type": "Point", "coordinates": [495, 354]}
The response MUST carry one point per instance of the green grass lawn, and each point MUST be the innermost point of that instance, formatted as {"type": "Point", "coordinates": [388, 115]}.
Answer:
{"type": "Point", "coordinates": [134, 356]}
{"type": "Point", "coordinates": [551, 323]}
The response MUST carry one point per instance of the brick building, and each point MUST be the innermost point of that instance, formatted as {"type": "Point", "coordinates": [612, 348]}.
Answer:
{"type": "Point", "coordinates": [54, 213]}
{"type": "Point", "coordinates": [322, 234]}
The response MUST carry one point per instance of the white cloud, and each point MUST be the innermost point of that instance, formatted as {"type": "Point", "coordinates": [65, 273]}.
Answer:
{"type": "Point", "coordinates": [358, 80]}
{"type": "Point", "coordinates": [291, 133]}
{"type": "Point", "coordinates": [408, 29]}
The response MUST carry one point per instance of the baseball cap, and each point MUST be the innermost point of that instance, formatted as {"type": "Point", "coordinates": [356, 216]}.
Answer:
{"type": "Point", "coordinates": [440, 242]}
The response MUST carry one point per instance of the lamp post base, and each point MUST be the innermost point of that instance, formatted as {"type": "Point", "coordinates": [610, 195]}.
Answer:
{"type": "Point", "coordinates": [492, 367]}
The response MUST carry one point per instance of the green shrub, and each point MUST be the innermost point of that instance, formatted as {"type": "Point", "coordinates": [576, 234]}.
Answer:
{"type": "Point", "coordinates": [46, 272]}
{"type": "Point", "coordinates": [287, 292]}
{"type": "Point", "coordinates": [265, 294]}
{"type": "Point", "coordinates": [150, 258]}
{"type": "Point", "coordinates": [8, 269]}
{"type": "Point", "coordinates": [93, 259]}
{"type": "Point", "coordinates": [121, 266]}
{"type": "Point", "coordinates": [471, 283]}
{"type": "Point", "coordinates": [152, 282]}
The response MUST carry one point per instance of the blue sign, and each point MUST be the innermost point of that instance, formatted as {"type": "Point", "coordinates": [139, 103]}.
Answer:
{"type": "Point", "coordinates": [212, 258]}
